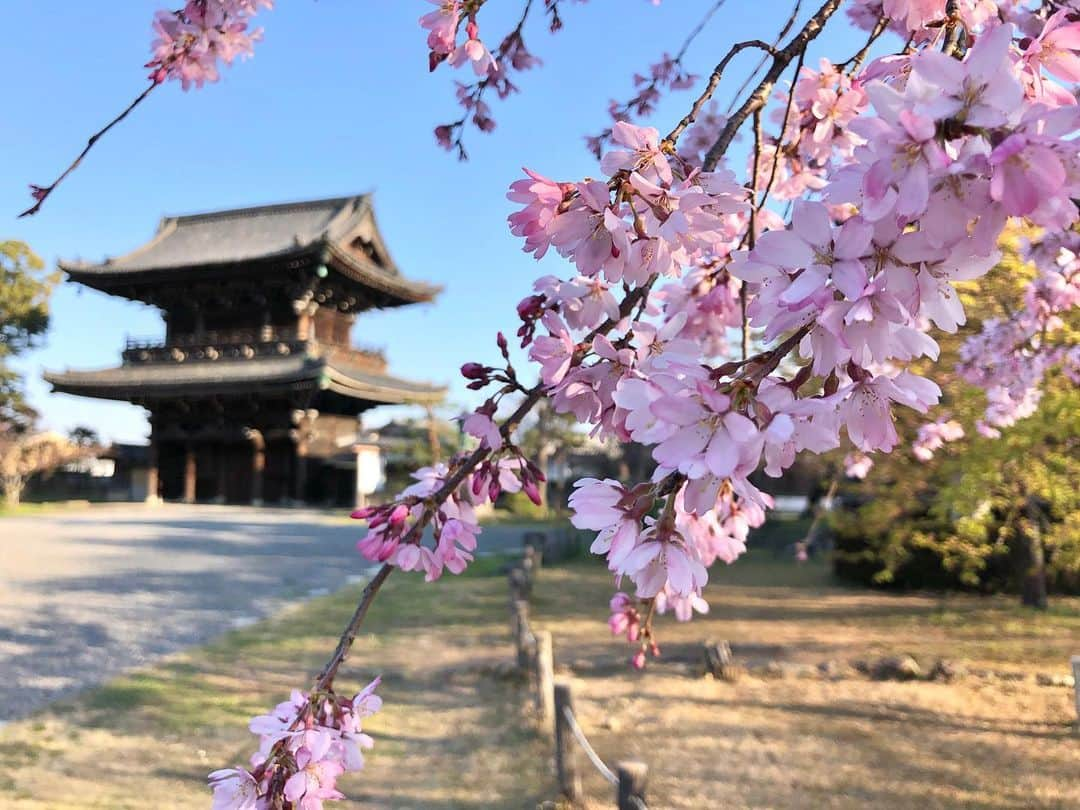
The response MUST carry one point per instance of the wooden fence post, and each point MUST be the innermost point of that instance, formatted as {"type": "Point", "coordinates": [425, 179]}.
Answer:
{"type": "Point", "coordinates": [633, 777]}
{"type": "Point", "coordinates": [1075, 661]}
{"type": "Point", "coordinates": [545, 676]}
{"type": "Point", "coordinates": [528, 570]}
{"type": "Point", "coordinates": [537, 541]}
{"type": "Point", "coordinates": [520, 585]}
{"type": "Point", "coordinates": [565, 746]}
{"type": "Point", "coordinates": [519, 625]}
{"type": "Point", "coordinates": [719, 662]}
{"type": "Point", "coordinates": [534, 556]}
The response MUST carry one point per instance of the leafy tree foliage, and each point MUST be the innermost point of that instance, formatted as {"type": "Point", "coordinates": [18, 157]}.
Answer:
{"type": "Point", "coordinates": [987, 514]}
{"type": "Point", "coordinates": [25, 287]}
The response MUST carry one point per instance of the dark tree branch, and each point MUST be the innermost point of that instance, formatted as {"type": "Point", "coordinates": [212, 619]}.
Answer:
{"type": "Point", "coordinates": [757, 99]}
{"type": "Point", "coordinates": [41, 193]}
{"type": "Point", "coordinates": [714, 82]}
{"type": "Point", "coordinates": [855, 62]}
{"type": "Point", "coordinates": [765, 57]}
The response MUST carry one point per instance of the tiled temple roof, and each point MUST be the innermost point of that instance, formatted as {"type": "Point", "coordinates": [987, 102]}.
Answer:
{"type": "Point", "coordinates": [159, 380]}
{"type": "Point", "coordinates": [340, 232]}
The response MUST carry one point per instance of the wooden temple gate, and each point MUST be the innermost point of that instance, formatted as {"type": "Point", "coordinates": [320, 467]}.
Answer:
{"type": "Point", "coordinates": [256, 391]}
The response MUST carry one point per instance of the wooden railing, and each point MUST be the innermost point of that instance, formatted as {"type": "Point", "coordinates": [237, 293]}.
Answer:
{"type": "Point", "coordinates": [261, 334]}
{"type": "Point", "coordinates": [244, 344]}
{"type": "Point", "coordinates": [554, 702]}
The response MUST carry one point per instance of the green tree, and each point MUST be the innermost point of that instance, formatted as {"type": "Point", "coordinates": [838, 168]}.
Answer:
{"type": "Point", "coordinates": [989, 514]}
{"type": "Point", "coordinates": [25, 287]}
{"type": "Point", "coordinates": [84, 436]}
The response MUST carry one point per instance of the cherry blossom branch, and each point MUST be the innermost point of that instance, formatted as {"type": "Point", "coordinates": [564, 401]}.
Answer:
{"type": "Point", "coordinates": [760, 204]}
{"type": "Point", "coordinates": [461, 471]}
{"type": "Point", "coordinates": [757, 99]}
{"type": "Point", "coordinates": [855, 61]}
{"type": "Point", "coordinates": [191, 42]}
{"type": "Point", "coordinates": [511, 52]}
{"type": "Point", "coordinates": [348, 636]}
{"type": "Point", "coordinates": [765, 57]}
{"type": "Point", "coordinates": [41, 193]}
{"type": "Point", "coordinates": [713, 83]}
{"type": "Point", "coordinates": [671, 74]}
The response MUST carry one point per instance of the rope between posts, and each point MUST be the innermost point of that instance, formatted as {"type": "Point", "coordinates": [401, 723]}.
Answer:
{"type": "Point", "coordinates": [638, 803]}
{"type": "Point", "coordinates": [598, 763]}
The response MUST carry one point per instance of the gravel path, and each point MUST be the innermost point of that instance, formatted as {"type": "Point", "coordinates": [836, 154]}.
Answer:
{"type": "Point", "coordinates": [86, 595]}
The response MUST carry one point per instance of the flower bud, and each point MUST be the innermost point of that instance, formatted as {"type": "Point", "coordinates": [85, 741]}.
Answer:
{"type": "Point", "coordinates": [473, 371]}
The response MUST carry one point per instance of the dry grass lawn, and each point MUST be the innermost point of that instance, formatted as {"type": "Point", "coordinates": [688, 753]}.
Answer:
{"type": "Point", "coordinates": [450, 737]}
{"type": "Point", "coordinates": [454, 737]}
{"type": "Point", "coordinates": [809, 742]}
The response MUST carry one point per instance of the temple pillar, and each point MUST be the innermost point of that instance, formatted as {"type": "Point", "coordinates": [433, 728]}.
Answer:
{"type": "Point", "coordinates": [266, 331]}
{"type": "Point", "coordinates": [189, 473]}
{"type": "Point", "coordinates": [300, 480]}
{"type": "Point", "coordinates": [304, 421]}
{"type": "Point", "coordinates": [222, 470]}
{"type": "Point", "coordinates": [152, 475]}
{"type": "Point", "coordinates": [258, 464]}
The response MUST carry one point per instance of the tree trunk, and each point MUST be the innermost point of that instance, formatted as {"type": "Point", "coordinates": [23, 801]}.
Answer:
{"type": "Point", "coordinates": [13, 489]}
{"type": "Point", "coordinates": [1033, 575]}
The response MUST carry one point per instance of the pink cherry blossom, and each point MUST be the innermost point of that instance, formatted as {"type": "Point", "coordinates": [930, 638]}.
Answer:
{"type": "Point", "coordinates": [441, 25]}
{"type": "Point", "coordinates": [857, 465]}
{"type": "Point", "coordinates": [867, 409]}
{"type": "Point", "coordinates": [234, 789]}
{"type": "Point", "coordinates": [1056, 48]}
{"type": "Point", "coordinates": [933, 436]}
{"type": "Point", "coordinates": [643, 154]}
{"type": "Point", "coordinates": [192, 41]}
{"type": "Point", "coordinates": [480, 424]}
{"type": "Point", "coordinates": [316, 778]}
{"type": "Point", "coordinates": [625, 619]}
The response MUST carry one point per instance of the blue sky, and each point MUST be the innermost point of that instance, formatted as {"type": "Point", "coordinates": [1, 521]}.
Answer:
{"type": "Point", "coordinates": [337, 100]}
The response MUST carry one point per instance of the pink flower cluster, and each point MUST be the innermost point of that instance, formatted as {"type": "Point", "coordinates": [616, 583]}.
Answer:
{"type": "Point", "coordinates": [394, 532]}
{"type": "Point", "coordinates": [191, 42]}
{"type": "Point", "coordinates": [394, 529]}
{"type": "Point", "coordinates": [903, 176]}
{"type": "Point", "coordinates": [305, 744]}
{"type": "Point", "coordinates": [933, 436]}
{"type": "Point", "coordinates": [857, 465]}
{"type": "Point", "coordinates": [920, 161]}
{"type": "Point", "coordinates": [1010, 356]}
{"type": "Point", "coordinates": [491, 68]}
{"type": "Point", "coordinates": [667, 73]}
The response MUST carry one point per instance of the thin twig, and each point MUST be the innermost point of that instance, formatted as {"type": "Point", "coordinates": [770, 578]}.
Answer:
{"type": "Point", "coordinates": [698, 29]}
{"type": "Point", "coordinates": [714, 82]}
{"type": "Point", "coordinates": [650, 88]}
{"type": "Point", "coordinates": [757, 99]}
{"type": "Point", "coordinates": [855, 62]}
{"type": "Point", "coordinates": [348, 636]}
{"type": "Point", "coordinates": [751, 230]}
{"type": "Point", "coordinates": [41, 193]}
{"type": "Point", "coordinates": [453, 481]}
{"type": "Point", "coordinates": [776, 44]}
{"type": "Point", "coordinates": [780, 140]}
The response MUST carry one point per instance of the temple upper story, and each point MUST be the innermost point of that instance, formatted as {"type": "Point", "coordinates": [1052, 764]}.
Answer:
{"type": "Point", "coordinates": [254, 390]}
{"type": "Point", "coordinates": [265, 287]}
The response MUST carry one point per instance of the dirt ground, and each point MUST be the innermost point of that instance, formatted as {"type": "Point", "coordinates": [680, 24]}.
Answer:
{"type": "Point", "coordinates": [452, 735]}
{"type": "Point", "coordinates": [806, 741]}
